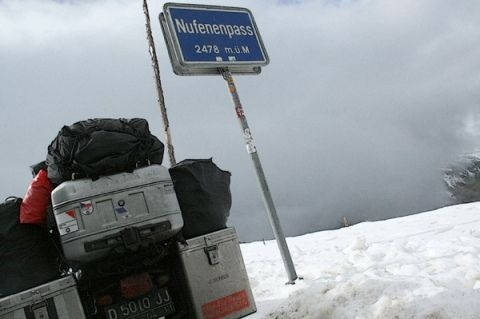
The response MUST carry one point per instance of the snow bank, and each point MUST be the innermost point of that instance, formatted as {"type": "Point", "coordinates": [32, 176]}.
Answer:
{"type": "Point", "coordinates": [419, 266]}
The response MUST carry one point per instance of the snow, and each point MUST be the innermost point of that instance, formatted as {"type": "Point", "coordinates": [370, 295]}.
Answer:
{"type": "Point", "coordinates": [420, 266]}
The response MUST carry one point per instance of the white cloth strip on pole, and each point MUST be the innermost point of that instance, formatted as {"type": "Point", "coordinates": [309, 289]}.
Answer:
{"type": "Point", "coordinates": [158, 83]}
{"type": "Point", "coordinates": [266, 195]}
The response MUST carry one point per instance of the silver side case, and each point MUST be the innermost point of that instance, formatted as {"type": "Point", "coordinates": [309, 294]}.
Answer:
{"type": "Point", "coordinates": [58, 299]}
{"type": "Point", "coordinates": [215, 276]}
{"type": "Point", "coordinates": [122, 210]}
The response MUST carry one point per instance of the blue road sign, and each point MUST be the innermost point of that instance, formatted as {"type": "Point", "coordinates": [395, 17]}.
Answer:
{"type": "Point", "coordinates": [204, 36]}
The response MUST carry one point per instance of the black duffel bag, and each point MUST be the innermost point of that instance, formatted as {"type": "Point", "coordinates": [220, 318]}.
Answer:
{"type": "Point", "coordinates": [28, 257]}
{"type": "Point", "coordinates": [97, 147]}
{"type": "Point", "coordinates": [9, 215]}
{"type": "Point", "coordinates": [203, 192]}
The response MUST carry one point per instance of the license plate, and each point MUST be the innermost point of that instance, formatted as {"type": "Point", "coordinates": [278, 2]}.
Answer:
{"type": "Point", "coordinates": [152, 306]}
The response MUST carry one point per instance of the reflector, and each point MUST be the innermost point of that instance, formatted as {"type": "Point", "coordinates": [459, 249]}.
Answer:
{"type": "Point", "coordinates": [104, 300]}
{"type": "Point", "coordinates": [136, 285]}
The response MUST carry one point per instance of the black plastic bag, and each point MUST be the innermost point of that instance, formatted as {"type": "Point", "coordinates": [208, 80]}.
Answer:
{"type": "Point", "coordinates": [98, 147]}
{"type": "Point", "coordinates": [203, 192]}
{"type": "Point", "coordinates": [28, 257]}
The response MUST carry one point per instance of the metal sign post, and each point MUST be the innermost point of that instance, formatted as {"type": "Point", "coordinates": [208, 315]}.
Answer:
{"type": "Point", "coordinates": [267, 197]}
{"type": "Point", "coordinates": [204, 39]}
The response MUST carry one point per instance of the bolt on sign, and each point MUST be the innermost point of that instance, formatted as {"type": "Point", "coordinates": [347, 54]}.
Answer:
{"type": "Point", "coordinates": [201, 39]}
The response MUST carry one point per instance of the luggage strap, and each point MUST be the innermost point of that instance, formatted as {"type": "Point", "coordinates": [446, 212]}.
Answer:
{"type": "Point", "coordinates": [131, 237]}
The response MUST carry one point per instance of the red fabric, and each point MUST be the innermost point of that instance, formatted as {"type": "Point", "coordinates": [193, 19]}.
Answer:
{"type": "Point", "coordinates": [36, 201]}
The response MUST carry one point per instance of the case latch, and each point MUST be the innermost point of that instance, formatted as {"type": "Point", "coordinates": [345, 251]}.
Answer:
{"type": "Point", "coordinates": [38, 308]}
{"type": "Point", "coordinates": [40, 311]}
{"type": "Point", "coordinates": [212, 254]}
{"type": "Point", "coordinates": [131, 238]}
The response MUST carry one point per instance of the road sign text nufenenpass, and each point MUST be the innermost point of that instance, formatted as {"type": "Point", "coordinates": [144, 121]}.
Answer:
{"type": "Point", "coordinates": [211, 37]}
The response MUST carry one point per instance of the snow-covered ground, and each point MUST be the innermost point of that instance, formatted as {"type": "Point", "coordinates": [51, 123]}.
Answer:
{"type": "Point", "coordinates": [420, 266]}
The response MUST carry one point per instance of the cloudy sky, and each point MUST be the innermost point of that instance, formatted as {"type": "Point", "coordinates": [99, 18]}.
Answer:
{"type": "Point", "coordinates": [362, 106]}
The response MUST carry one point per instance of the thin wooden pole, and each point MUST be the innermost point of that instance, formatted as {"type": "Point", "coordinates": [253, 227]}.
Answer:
{"type": "Point", "coordinates": [158, 83]}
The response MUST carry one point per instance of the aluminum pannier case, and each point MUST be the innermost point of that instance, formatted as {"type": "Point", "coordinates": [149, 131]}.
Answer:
{"type": "Point", "coordinates": [121, 211]}
{"type": "Point", "coordinates": [215, 276]}
{"type": "Point", "coordinates": [58, 299]}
